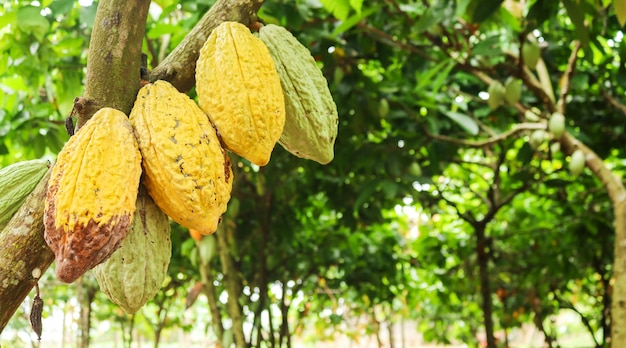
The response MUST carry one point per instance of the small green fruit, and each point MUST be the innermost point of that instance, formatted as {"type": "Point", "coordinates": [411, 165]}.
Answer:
{"type": "Point", "coordinates": [537, 138]}
{"type": "Point", "coordinates": [512, 91]}
{"type": "Point", "coordinates": [531, 53]}
{"type": "Point", "coordinates": [556, 125]}
{"type": "Point", "coordinates": [531, 116]}
{"type": "Point", "coordinates": [496, 95]}
{"type": "Point", "coordinates": [415, 169]}
{"type": "Point", "coordinates": [383, 107]}
{"type": "Point", "coordinates": [577, 162]}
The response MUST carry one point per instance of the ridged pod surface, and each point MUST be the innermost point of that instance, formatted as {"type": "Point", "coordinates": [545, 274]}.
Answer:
{"type": "Point", "coordinates": [17, 181]}
{"type": "Point", "coordinates": [187, 172]}
{"type": "Point", "coordinates": [239, 89]}
{"type": "Point", "coordinates": [135, 272]}
{"type": "Point", "coordinates": [92, 194]}
{"type": "Point", "coordinates": [311, 114]}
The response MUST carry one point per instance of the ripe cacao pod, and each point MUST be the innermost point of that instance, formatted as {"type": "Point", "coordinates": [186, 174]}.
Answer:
{"type": "Point", "coordinates": [531, 53]}
{"type": "Point", "coordinates": [577, 162]}
{"type": "Point", "coordinates": [187, 172]}
{"type": "Point", "coordinates": [17, 181]}
{"type": "Point", "coordinates": [239, 89]}
{"type": "Point", "coordinates": [311, 114]}
{"type": "Point", "coordinates": [92, 193]}
{"type": "Point", "coordinates": [135, 271]}
{"type": "Point", "coordinates": [496, 95]}
{"type": "Point", "coordinates": [512, 91]}
{"type": "Point", "coordinates": [556, 125]}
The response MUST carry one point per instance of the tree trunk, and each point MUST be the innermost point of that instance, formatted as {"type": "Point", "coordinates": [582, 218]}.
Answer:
{"type": "Point", "coordinates": [211, 294]}
{"type": "Point", "coordinates": [85, 293]}
{"type": "Point", "coordinates": [483, 270]}
{"type": "Point", "coordinates": [232, 281]}
{"type": "Point", "coordinates": [284, 313]}
{"type": "Point", "coordinates": [124, 32]}
{"type": "Point", "coordinates": [22, 249]}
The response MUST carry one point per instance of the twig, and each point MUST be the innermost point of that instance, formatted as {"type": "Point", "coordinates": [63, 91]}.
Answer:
{"type": "Point", "coordinates": [566, 79]}
{"type": "Point", "coordinates": [485, 142]}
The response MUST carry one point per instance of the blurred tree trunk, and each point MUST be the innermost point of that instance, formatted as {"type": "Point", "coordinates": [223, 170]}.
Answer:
{"type": "Point", "coordinates": [86, 292]}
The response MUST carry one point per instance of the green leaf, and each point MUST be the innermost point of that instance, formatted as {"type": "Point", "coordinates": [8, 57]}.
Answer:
{"type": "Point", "coordinates": [353, 20]}
{"type": "Point", "coordinates": [30, 20]}
{"type": "Point", "coordinates": [540, 11]}
{"type": "Point", "coordinates": [466, 122]}
{"type": "Point", "coordinates": [339, 8]}
{"type": "Point", "coordinates": [577, 15]}
{"type": "Point", "coordinates": [484, 9]}
{"type": "Point", "coordinates": [620, 11]}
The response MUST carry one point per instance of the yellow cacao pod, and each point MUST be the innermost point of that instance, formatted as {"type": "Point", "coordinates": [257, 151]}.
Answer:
{"type": "Point", "coordinates": [187, 172]}
{"type": "Point", "coordinates": [135, 271]}
{"type": "Point", "coordinates": [92, 193]}
{"type": "Point", "coordinates": [239, 89]}
{"type": "Point", "coordinates": [17, 181]}
{"type": "Point", "coordinates": [311, 114]}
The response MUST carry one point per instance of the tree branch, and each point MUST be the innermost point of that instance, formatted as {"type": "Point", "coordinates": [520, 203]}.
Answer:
{"type": "Point", "coordinates": [114, 60]}
{"type": "Point", "coordinates": [22, 249]}
{"type": "Point", "coordinates": [485, 142]}
{"type": "Point", "coordinates": [566, 79]}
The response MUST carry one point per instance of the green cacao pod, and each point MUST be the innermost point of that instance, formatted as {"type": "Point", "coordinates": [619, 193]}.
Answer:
{"type": "Point", "coordinates": [17, 181]}
{"type": "Point", "coordinates": [556, 125]}
{"type": "Point", "coordinates": [239, 89]}
{"type": "Point", "coordinates": [311, 114]}
{"type": "Point", "coordinates": [135, 271]}
{"type": "Point", "coordinates": [187, 172]}
{"type": "Point", "coordinates": [92, 193]}
{"type": "Point", "coordinates": [531, 53]}
{"type": "Point", "coordinates": [512, 90]}
{"type": "Point", "coordinates": [577, 162]}
{"type": "Point", "coordinates": [496, 95]}
{"type": "Point", "coordinates": [537, 138]}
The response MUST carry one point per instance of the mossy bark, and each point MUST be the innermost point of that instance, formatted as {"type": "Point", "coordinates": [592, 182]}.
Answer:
{"type": "Point", "coordinates": [22, 249]}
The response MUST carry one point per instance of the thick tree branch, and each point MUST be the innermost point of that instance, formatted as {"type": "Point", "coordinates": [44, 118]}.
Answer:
{"type": "Point", "coordinates": [22, 249]}
{"type": "Point", "coordinates": [114, 60]}
{"type": "Point", "coordinates": [180, 66]}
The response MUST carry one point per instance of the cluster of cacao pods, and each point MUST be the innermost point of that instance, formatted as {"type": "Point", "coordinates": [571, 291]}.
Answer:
{"type": "Point", "coordinates": [120, 178]}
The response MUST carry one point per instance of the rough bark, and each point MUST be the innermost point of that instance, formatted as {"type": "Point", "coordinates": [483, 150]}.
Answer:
{"type": "Point", "coordinates": [114, 61]}
{"type": "Point", "coordinates": [22, 249]}
{"type": "Point", "coordinates": [106, 86]}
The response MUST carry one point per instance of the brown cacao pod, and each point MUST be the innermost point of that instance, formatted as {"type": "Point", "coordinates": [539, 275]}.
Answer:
{"type": "Point", "coordinates": [311, 114]}
{"type": "Point", "coordinates": [17, 181]}
{"type": "Point", "coordinates": [187, 172]}
{"type": "Point", "coordinates": [239, 89]}
{"type": "Point", "coordinates": [92, 193]}
{"type": "Point", "coordinates": [135, 271]}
